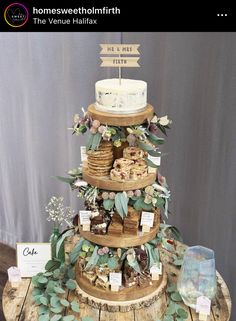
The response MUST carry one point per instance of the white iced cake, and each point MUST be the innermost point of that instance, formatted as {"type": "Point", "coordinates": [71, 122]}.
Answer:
{"type": "Point", "coordinates": [129, 96]}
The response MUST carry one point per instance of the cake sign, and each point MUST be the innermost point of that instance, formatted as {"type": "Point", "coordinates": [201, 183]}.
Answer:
{"type": "Point", "coordinates": [122, 53]}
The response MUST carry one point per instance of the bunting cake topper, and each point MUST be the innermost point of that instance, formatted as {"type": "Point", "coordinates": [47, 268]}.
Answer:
{"type": "Point", "coordinates": [121, 58]}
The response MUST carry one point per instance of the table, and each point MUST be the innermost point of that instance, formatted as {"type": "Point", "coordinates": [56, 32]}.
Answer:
{"type": "Point", "coordinates": [18, 306]}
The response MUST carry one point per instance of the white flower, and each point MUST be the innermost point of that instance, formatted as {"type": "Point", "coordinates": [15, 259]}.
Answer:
{"type": "Point", "coordinates": [79, 183]}
{"type": "Point", "coordinates": [164, 121]}
{"type": "Point", "coordinates": [154, 119]}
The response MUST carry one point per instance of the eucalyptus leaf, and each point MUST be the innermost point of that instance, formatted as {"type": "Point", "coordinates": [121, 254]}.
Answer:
{"type": "Point", "coordinates": [50, 286]}
{"type": "Point", "coordinates": [134, 264]}
{"type": "Point", "coordinates": [89, 141]}
{"type": "Point", "coordinates": [96, 141]}
{"type": "Point", "coordinates": [57, 309]}
{"type": "Point", "coordinates": [144, 146]}
{"type": "Point", "coordinates": [70, 284]}
{"type": "Point", "coordinates": [171, 308]}
{"type": "Point", "coordinates": [42, 279]}
{"type": "Point", "coordinates": [108, 204]}
{"type": "Point", "coordinates": [138, 204]}
{"type": "Point", "coordinates": [182, 313]}
{"type": "Point", "coordinates": [42, 309]}
{"type": "Point", "coordinates": [112, 263]}
{"type": "Point", "coordinates": [160, 202]}
{"type": "Point", "coordinates": [168, 318]}
{"type": "Point", "coordinates": [103, 259]}
{"type": "Point", "coordinates": [93, 259]}
{"type": "Point", "coordinates": [59, 290]}
{"type": "Point", "coordinates": [52, 265]}
{"type": "Point", "coordinates": [172, 288]}
{"type": "Point", "coordinates": [37, 292]}
{"type": "Point", "coordinates": [60, 242]}
{"type": "Point", "coordinates": [56, 317]}
{"type": "Point", "coordinates": [68, 318]}
{"type": "Point", "coordinates": [56, 273]}
{"type": "Point", "coordinates": [69, 180]}
{"type": "Point", "coordinates": [43, 317]}
{"type": "Point", "coordinates": [178, 262]}
{"type": "Point", "coordinates": [153, 255]}
{"type": "Point", "coordinates": [175, 296]}
{"type": "Point", "coordinates": [75, 306]}
{"type": "Point", "coordinates": [54, 301]}
{"type": "Point", "coordinates": [43, 300]}
{"type": "Point", "coordinates": [75, 252]}
{"type": "Point", "coordinates": [121, 204]}
{"type": "Point", "coordinates": [71, 273]}
{"type": "Point", "coordinates": [47, 274]}
{"type": "Point", "coordinates": [154, 139]}
{"type": "Point", "coordinates": [155, 153]}
{"type": "Point", "coordinates": [64, 302]}
{"type": "Point", "coordinates": [145, 206]}
{"type": "Point", "coordinates": [36, 299]}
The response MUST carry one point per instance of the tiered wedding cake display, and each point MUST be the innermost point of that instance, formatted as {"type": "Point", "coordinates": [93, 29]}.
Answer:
{"type": "Point", "coordinates": [124, 195]}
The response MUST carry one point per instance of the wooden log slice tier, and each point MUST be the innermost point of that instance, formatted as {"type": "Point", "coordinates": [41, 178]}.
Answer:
{"type": "Point", "coordinates": [125, 295]}
{"type": "Point", "coordinates": [119, 119]}
{"type": "Point", "coordinates": [122, 241]}
{"type": "Point", "coordinates": [108, 184]}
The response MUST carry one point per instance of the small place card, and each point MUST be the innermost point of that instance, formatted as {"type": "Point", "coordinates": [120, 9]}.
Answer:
{"type": "Point", "coordinates": [203, 307]}
{"type": "Point", "coordinates": [14, 276]}
{"type": "Point", "coordinates": [155, 159]}
{"type": "Point", "coordinates": [147, 220]}
{"type": "Point", "coordinates": [83, 153]}
{"type": "Point", "coordinates": [156, 271]}
{"type": "Point", "coordinates": [84, 217]}
{"type": "Point", "coordinates": [32, 257]}
{"type": "Point", "coordinates": [115, 280]}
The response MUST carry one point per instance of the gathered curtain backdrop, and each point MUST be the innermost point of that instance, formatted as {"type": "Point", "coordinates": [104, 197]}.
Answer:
{"type": "Point", "coordinates": [45, 78]}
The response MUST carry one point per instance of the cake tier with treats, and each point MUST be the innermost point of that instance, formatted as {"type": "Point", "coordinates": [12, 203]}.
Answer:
{"type": "Point", "coordinates": [109, 229]}
{"type": "Point", "coordinates": [131, 265]}
{"type": "Point", "coordinates": [121, 97]}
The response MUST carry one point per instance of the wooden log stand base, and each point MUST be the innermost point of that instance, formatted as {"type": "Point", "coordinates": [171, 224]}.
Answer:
{"type": "Point", "coordinates": [121, 120]}
{"type": "Point", "coordinates": [116, 305]}
{"type": "Point", "coordinates": [123, 241]}
{"type": "Point", "coordinates": [125, 295]}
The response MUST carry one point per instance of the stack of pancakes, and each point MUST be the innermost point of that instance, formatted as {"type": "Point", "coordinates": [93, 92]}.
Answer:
{"type": "Point", "coordinates": [100, 161]}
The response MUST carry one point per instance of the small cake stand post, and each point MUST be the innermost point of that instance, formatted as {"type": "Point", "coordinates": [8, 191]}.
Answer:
{"type": "Point", "coordinates": [119, 74]}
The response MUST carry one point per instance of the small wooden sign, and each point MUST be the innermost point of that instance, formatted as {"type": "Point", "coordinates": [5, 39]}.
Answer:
{"type": "Point", "coordinates": [156, 271]}
{"type": "Point", "coordinates": [83, 153]}
{"type": "Point", "coordinates": [14, 276]}
{"type": "Point", "coordinates": [115, 280]}
{"type": "Point", "coordinates": [155, 159]}
{"type": "Point", "coordinates": [119, 49]}
{"type": "Point", "coordinates": [147, 220]}
{"type": "Point", "coordinates": [203, 307]}
{"type": "Point", "coordinates": [84, 217]}
{"type": "Point", "coordinates": [120, 62]}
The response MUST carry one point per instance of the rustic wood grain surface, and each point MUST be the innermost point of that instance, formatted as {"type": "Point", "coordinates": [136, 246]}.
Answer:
{"type": "Point", "coordinates": [18, 306]}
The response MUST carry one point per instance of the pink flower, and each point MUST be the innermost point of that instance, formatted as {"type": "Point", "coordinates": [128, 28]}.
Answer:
{"type": "Point", "coordinates": [105, 250]}
{"type": "Point", "coordinates": [100, 251]}
{"type": "Point", "coordinates": [96, 123]}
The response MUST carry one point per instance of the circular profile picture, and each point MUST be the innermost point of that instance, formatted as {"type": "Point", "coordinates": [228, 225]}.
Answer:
{"type": "Point", "coordinates": [16, 15]}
